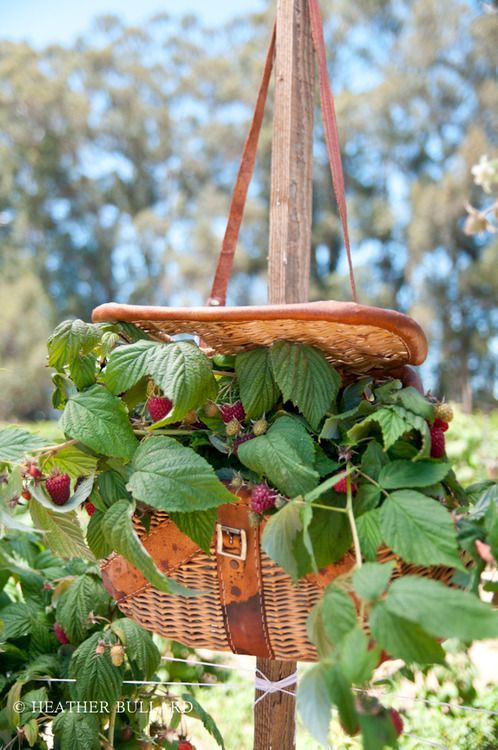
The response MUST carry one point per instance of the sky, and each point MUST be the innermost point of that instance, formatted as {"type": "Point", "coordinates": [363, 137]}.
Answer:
{"type": "Point", "coordinates": [44, 21]}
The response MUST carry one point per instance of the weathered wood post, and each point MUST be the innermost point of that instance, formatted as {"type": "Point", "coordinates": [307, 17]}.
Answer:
{"type": "Point", "coordinates": [289, 263]}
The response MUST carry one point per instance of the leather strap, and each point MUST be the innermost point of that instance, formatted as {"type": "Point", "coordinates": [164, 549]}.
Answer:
{"type": "Point", "coordinates": [239, 574]}
{"type": "Point", "coordinates": [246, 168]}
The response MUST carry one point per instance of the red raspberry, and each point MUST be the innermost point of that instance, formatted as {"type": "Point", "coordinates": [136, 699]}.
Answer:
{"type": "Point", "coordinates": [437, 443]}
{"type": "Point", "coordinates": [242, 439]}
{"type": "Point", "coordinates": [232, 411]}
{"type": "Point", "coordinates": [396, 721]}
{"type": "Point", "coordinates": [90, 508]}
{"type": "Point", "coordinates": [342, 486]}
{"type": "Point", "coordinates": [34, 471]}
{"type": "Point", "coordinates": [60, 634]}
{"type": "Point", "coordinates": [185, 745]}
{"type": "Point", "coordinates": [59, 489]}
{"type": "Point", "coordinates": [440, 424]}
{"type": "Point", "coordinates": [26, 494]}
{"type": "Point", "coordinates": [262, 498]}
{"type": "Point", "coordinates": [159, 407]}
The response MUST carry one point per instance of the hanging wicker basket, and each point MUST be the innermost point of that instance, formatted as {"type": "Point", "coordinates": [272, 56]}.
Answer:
{"type": "Point", "coordinates": [252, 606]}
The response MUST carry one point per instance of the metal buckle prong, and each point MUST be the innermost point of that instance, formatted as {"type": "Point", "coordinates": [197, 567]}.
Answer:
{"type": "Point", "coordinates": [220, 530]}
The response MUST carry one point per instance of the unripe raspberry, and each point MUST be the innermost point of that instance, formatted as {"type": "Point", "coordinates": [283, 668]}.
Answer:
{"type": "Point", "coordinates": [211, 409]}
{"type": "Point", "coordinates": [26, 494]}
{"type": "Point", "coordinates": [260, 427]}
{"type": "Point", "coordinates": [100, 649]}
{"type": "Point", "coordinates": [60, 634]}
{"type": "Point", "coordinates": [437, 443]}
{"type": "Point", "coordinates": [117, 655]}
{"type": "Point", "coordinates": [444, 412]}
{"type": "Point", "coordinates": [34, 471]}
{"type": "Point", "coordinates": [233, 428]}
{"type": "Point", "coordinates": [190, 417]}
{"type": "Point", "coordinates": [262, 498]}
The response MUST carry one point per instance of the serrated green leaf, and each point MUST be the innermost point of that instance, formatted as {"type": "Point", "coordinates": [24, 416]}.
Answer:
{"type": "Point", "coordinates": [141, 650]}
{"type": "Point", "coordinates": [207, 720]}
{"type": "Point", "coordinates": [371, 580]}
{"type": "Point", "coordinates": [342, 696]}
{"type": "Point", "coordinates": [70, 339]}
{"type": "Point", "coordinates": [368, 527]}
{"type": "Point", "coordinates": [62, 532]}
{"type": "Point", "coordinates": [373, 460]}
{"type": "Point", "coordinates": [412, 474]}
{"type": "Point", "coordinates": [338, 614]}
{"type": "Point", "coordinates": [95, 536]}
{"type": "Point", "coordinates": [328, 534]}
{"type": "Point", "coordinates": [96, 676]}
{"type": "Point", "coordinates": [403, 639]}
{"type": "Point", "coordinates": [199, 526]}
{"type": "Point", "coordinates": [442, 611]}
{"type": "Point", "coordinates": [31, 700]}
{"type": "Point", "coordinates": [392, 425]}
{"type": "Point", "coordinates": [83, 371]}
{"type": "Point", "coordinates": [279, 535]}
{"type": "Point", "coordinates": [16, 442]}
{"type": "Point", "coordinates": [305, 378]}
{"type": "Point", "coordinates": [17, 619]}
{"type": "Point", "coordinates": [323, 464]}
{"type": "Point", "coordinates": [72, 461]}
{"type": "Point", "coordinates": [77, 731]}
{"type": "Point", "coordinates": [419, 529]}
{"type": "Point", "coordinates": [412, 400]}
{"type": "Point", "coordinates": [30, 730]}
{"type": "Point", "coordinates": [128, 364]}
{"type": "Point", "coordinates": [172, 477]}
{"type": "Point", "coordinates": [356, 659]}
{"type": "Point", "coordinates": [313, 702]}
{"type": "Point", "coordinates": [284, 455]}
{"type": "Point", "coordinates": [258, 390]}
{"type": "Point", "coordinates": [118, 528]}
{"type": "Point", "coordinates": [112, 487]}
{"type": "Point", "coordinates": [12, 715]}
{"type": "Point", "coordinates": [99, 420]}
{"type": "Point", "coordinates": [83, 596]}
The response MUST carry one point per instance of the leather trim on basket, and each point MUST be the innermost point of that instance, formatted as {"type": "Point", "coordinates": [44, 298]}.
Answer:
{"type": "Point", "coordinates": [241, 585]}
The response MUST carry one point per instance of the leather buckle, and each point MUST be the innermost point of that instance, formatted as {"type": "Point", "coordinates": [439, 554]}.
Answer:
{"type": "Point", "coordinates": [233, 534]}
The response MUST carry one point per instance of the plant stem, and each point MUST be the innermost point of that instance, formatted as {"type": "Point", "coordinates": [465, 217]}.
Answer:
{"type": "Point", "coordinates": [352, 523]}
{"type": "Point", "coordinates": [329, 507]}
{"type": "Point", "coordinates": [372, 481]}
{"type": "Point", "coordinates": [55, 448]}
{"type": "Point", "coordinates": [112, 725]}
{"type": "Point", "coordinates": [166, 432]}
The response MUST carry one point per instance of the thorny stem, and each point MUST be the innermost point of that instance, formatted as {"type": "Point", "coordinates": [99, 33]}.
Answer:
{"type": "Point", "coordinates": [352, 522]}
{"type": "Point", "coordinates": [323, 507]}
{"type": "Point", "coordinates": [55, 448]}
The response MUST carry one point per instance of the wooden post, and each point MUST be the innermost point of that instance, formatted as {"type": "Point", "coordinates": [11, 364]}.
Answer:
{"type": "Point", "coordinates": [289, 264]}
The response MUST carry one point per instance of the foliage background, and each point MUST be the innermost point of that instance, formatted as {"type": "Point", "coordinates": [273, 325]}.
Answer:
{"type": "Point", "coordinates": [118, 151]}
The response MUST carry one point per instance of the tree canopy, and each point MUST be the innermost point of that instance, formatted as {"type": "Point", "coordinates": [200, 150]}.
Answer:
{"type": "Point", "coordinates": [118, 153]}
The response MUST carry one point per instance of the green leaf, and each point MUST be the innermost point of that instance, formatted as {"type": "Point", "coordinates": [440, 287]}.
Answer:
{"type": "Point", "coordinates": [128, 364]}
{"type": "Point", "coordinates": [338, 614]}
{"type": "Point", "coordinates": [16, 442]}
{"type": "Point", "coordinates": [258, 390]}
{"type": "Point", "coordinates": [17, 620]}
{"type": "Point", "coordinates": [392, 425]}
{"type": "Point", "coordinates": [83, 371]}
{"type": "Point", "coordinates": [208, 722]}
{"type": "Point", "coordinates": [440, 610]}
{"type": "Point", "coordinates": [367, 498]}
{"type": "Point", "coordinates": [141, 650]}
{"type": "Point", "coordinates": [377, 731]}
{"type": "Point", "coordinates": [368, 527]}
{"type": "Point", "coordinates": [371, 580]}
{"type": "Point", "coordinates": [76, 602]}
{"type": "Point", "coordinates": [419, 529]}
{"type": "Point", "coordinates": [62, 532]}
{"type": "Point", "coordinates": [118, 528]}
{"type": "Point", "coordinates": [77, 731]}
{"type": "Point", "coordinates": [172, 477]}
{"type": "Point", "coordinates": [327, 533]}
{"type": "Point", "coordinates": [279, 535]}
{"type": "Point", "coordinates": [314, 703]}
{"type": "Point", "coordinates": [342, 696]}
{"type": "Point", "coordinates": [412, 474]}
{"type": "Point", "coordinates": [403, 639]}
{"type": "Point", "coordinates": [373, 460]}
{"type": "Point", "coordinates": [357, 660]}
{"type": "Point", "coordinates": [185, 375]}
{"type": "Point", "coordinates": [412, 400]}
{"type": "Point", "coordinates": [199, 526]}
{"type": "Point", "coordinates": [95, 536]}
{"type": "Point", "coordinates": [96, 676]}
{"type": "Point", "coordinates": [100, 421]}
{"type": "Point", "coordinates": [72, 461]}
{"type": "Point", "coordinates": [70, 339]}
{"type": "Point", "coordinates": [284, 455]}
{"type": "Point", "coordinates": [323, 464]}
{"type": "Point", "coordinates": [112, 487]}
{"type": "Point", "coordinates": [30, 730]}
{"type": "Point", "coordinates": [305, 378]}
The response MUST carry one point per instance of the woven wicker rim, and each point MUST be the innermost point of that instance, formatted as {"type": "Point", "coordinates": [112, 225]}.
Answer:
{"type": "Point", "coordinates": [355, 337]}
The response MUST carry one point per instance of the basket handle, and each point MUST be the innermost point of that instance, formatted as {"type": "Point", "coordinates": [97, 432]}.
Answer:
{"type": "Point", "coordinates": [246, 168]}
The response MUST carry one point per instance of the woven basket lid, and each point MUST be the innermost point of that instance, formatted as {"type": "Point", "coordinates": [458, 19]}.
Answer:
{"type": "Point", "coordinates": [355, 338]}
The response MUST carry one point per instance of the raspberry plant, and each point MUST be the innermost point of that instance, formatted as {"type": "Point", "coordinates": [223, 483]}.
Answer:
{"type": "Point", "coordinates": [333, 465]}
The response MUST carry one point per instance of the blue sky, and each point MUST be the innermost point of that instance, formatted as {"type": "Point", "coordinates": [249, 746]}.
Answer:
{"type": "Point", "coordinates": [42, 21]}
